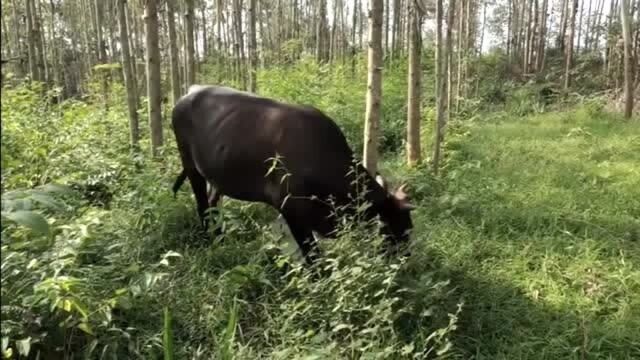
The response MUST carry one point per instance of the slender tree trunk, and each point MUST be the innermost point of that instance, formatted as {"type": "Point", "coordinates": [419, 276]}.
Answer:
{"type": "Point", "coordinates": [543, 37]}
{"type": "Point", "coordinates": [482, 29]}
{"type": "Point", "coordinates": [132, 96]}
{"type": "Point", "coordinates": [191, 67]}
{"type": "Point", "coordinates": [569, 45]}
{"type": "Point", "coordinates": [563, 26]}
{"type": "Point", "coordinates": [459, 52]}
{"type": "Point", "coordinates": [596, 40]}
{"type": "Point", "coordinates": [18, 28]}
{"type": "Point", "coordinates": [387, 10]}
{"type": "Point", "coordinates": [394, 29]}
{"type": "Point", "coordinates": [628, 58]}
{"type": "Point", "coordinates": [40, 43]}
{"type": "Point", "coordinates": [154, 91]}
{"type": "Point", "coordinates": [253, 86]}
{"type": "Point", "coordinates": [173, 52]}
{"type": "Point", "coordinates": [581, 15]}
{"type": "Point", "coordinates": [440, 81]}
{"type": "Point", "coordinates": [353, 38]}
{"type": "Point", "coordinates": [102, 54]}
{"type": "Point", "coordinates": [374, 87]}
{"type": "Point", "coordinates": [31, 42]}
{"type": "Point", "coordinates": [221, 49]}
{"type": "Point", "coordinates": [509, 29]}
{"type": "Point", "coordinates": [320, 37]}
{"type": "Point", "coordinates": [205, 42]}
{"type": "Point", "coordinates": [413, 93]}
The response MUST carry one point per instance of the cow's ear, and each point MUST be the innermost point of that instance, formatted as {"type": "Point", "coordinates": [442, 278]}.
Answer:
{"type": "Point", "coordinates": [381, 181]}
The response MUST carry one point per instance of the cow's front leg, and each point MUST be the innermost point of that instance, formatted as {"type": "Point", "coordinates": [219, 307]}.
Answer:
{"type": "Point", "coordinates": [304, 237]}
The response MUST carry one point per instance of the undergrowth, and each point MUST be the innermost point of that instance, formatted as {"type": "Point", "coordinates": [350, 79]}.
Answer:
{"type": "Point", "coordinates": [525, 247]}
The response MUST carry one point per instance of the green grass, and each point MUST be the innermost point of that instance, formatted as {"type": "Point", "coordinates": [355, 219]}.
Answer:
{"type": "Point", "coordinates": [538, 225]}
{"type": "Point", "coordinates": [533, 226]}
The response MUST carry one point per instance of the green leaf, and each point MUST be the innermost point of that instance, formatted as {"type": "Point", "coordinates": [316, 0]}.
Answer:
{"type": "Point", "coordinates": [86, 328]}
{"type": "Point", "coordinates": [24, 346]}
{"type": "Point", "coordinates": [46, 200]}
{"type": "Point", "coordinates": [56, 188]}
{"type": "Point", "coordinates": [340, 327]}
{"type": "Point", "coordinates": [30, 219]}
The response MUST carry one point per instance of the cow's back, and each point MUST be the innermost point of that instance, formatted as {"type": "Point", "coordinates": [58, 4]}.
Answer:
{"type": "Point", "coordinates": [235, 139]}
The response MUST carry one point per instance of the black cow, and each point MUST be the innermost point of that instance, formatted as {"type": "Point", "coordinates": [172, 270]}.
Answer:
{"type": "Point", "coordinates": [293, 158]}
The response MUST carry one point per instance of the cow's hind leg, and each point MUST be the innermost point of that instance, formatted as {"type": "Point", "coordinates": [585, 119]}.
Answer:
{"type": "Point", "coordinates": [199, 187]}
{"type": "Point", "coordinates": [213, 198]}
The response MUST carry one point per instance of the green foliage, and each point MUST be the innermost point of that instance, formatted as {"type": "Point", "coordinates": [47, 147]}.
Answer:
{"type": "Point", "coordinates": [119, 249]}
{"type": "Point", "coordinates": [523, 248]}
{"type": "Point", "coordinates": [536, 219]}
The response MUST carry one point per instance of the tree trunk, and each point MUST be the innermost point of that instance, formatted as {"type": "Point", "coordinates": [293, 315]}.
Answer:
{"type": "Point", "coordinates": [221, 49]}
{"type": "Point", "coordinates": [542, 41]}
{"type": "Point", "coordinates": [597, 20]}
{"type": "Point", "coordinates": [353, 38]}
{"type": "Point", "coordinates": [441, 85]}
{"type": "Point", "coordinates": [569, 45]}
{"type": "Point", "coordinates": [173, 52]}
{"type": "Point", "coordinates": [628, 58]}
{"type": "Point", "coordinates": [563, 26]}
{"type": "Point", "coordinates": [154, 91]}
{"type": "Point", "coordinates": [581, 15]}
{"type": "Point", "coordinates": [413, 93]}
{"type": "Point", "coordinates": [320, 37]}
{"type": "Point", "coordinates": [459, 53]}
{"type": "Point", "coordinates": [191, 67]}
{"type": "Point", "coordinates": [253, 86]}
{"type": "Point", "coordinates": [102, 54]}
{"type": "Point", "coordinates": [205, 42]}
{"type": "Point", "coordinates": [394, 29]}
{"type": "Point", "coordinates": [484, 22]}
{"type": "Point", "coordinates": [31, 42]}
{"type": "Point", "coordinates": [132, 96]}
{"type": "Point", "coordinates": [374, 87]}
{"type": "Point", "coordinates": [40, 43]}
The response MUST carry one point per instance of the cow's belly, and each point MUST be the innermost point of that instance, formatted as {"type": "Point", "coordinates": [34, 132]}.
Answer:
{"type": "Point", "coordinates": [235, 174]}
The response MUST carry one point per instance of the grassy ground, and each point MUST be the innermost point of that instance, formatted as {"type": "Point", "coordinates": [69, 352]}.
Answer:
{"type": "Point", "coordinates": [538, 227]}
{"type": "Point", "coordinates": [534, 223]}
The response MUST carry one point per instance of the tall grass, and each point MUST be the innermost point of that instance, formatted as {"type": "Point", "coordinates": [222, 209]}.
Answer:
{"type": "Point", "coordinates": [524, 248]}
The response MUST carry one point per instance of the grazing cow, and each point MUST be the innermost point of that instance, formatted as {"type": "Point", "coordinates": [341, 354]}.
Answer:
{"type": "Point", "coordinates": [293, 158]}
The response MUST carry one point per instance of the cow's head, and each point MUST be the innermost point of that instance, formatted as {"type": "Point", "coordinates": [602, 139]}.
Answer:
{"type": "Point", "coordinates": [396, 213]}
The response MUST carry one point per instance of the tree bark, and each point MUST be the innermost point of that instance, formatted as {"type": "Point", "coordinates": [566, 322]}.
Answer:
{"type": "Point", "coordinates": [173, 52]}
{"type": "Point", "coordinates": [31, 42]}
{"type": "Point", "coordinates": [191, 67]}
{"type": "Point", "coordinates": [43, 67]}
{"type": "Point", "coordinates": [132, 96]}
{"type": "Point", "coordinates": [628, 58]}
{"type": "Point", "coordinates": [320, 32]}
{"type": "Point", "coordinates": [205, 42]}
{"type": "Point", "coordinates": [441, 85]}
{"type": "Point", "coordinates": [581, 15]}
{"type": "Point", "coordinates": [542, 41]}
{"type": "Point", "coordinates": [563, 26]}
{"type": "Point", "coordinates": [374, 87]}
{"type": "Point", "coordinates": [154, 91]}
{"type": "Point", "coordinates": [413, 92]}
{"type": "Point", "coordinates": [569, 45]}
{"type": "Point", "coordinates": [253, 86]}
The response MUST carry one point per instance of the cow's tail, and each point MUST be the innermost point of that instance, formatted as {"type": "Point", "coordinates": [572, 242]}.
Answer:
{"type": "Point", "coordinates": [179, 180]}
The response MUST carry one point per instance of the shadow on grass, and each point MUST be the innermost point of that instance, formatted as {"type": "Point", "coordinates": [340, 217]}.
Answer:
{"type": "Point", "coordinates": [500, 321]}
